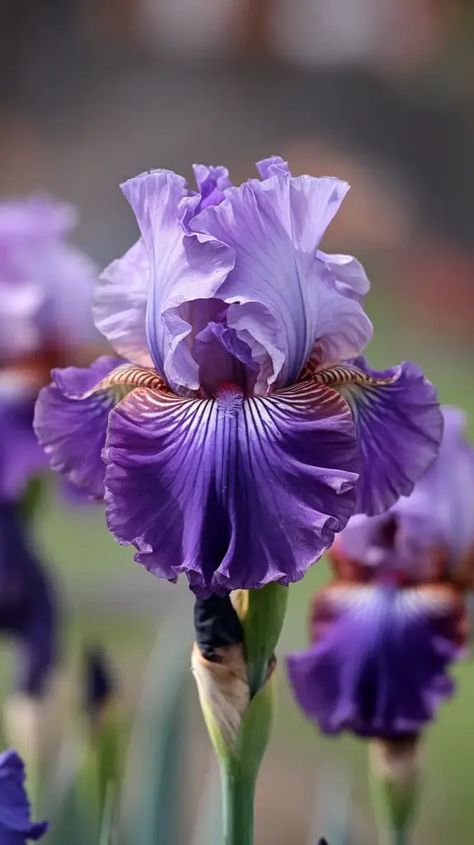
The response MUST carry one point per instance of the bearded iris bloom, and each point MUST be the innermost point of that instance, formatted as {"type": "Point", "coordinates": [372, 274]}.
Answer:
{"type": "Point", "coordinates": [16, 826]}
{"type": "Point", "coordinates": [239, 429]}
{"type": "Point", "coordinates": [387, 628]}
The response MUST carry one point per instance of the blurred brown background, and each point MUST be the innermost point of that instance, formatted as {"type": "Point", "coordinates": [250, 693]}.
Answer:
{"type": "Point", "coordinates": [380, 92]}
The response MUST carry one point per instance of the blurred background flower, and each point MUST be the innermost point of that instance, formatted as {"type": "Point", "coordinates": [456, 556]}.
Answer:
{"type": "Point", "coordinates": [387, 628]}
{"type": "Point", "coordinates": [91, 93]}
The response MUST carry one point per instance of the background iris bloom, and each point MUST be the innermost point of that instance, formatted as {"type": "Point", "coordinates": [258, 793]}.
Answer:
{"type": "Point", "coordinates": [386, 629]}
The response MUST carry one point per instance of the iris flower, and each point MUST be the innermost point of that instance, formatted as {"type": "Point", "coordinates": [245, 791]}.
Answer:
{"type": "Point", "coordinates": [46, 287]}
{"type": "Point", "coordinates": [15, 823]}
{"type": "Point", "coordinates": [388, 626]}
{"type": "Point", "coordinates": [240, 428]}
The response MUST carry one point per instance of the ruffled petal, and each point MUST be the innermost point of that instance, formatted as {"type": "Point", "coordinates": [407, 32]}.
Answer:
{"type": "Point", "coordinates": [347, 273]}
{"type": "Point", "coordinates": [273, 166]}
{"type": "Point", "coordinates": [120, 304]}
{"type": "Point", "coordinates": [399, 424]}
{"type": "Point", "coordinates": [379, 660]}
{"type": "Point", "coordinates": [70, 422]}
{"type": "Point", "coordinates": [211, 182]}
{"type": "Point", "coordinates": [184, 268]}
{"type": "Point", "coordinates": [234, 492]}
{"type": "Point", "coordinates": [274, 227]}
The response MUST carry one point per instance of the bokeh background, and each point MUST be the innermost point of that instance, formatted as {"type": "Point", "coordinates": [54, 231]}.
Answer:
{"type": "Point", "coordinates": [379, 92]}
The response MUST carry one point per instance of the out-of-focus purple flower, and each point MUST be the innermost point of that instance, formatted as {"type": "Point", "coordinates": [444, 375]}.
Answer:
{"type": "Point", "coordinates": [431, 533]}
{"type": "Point", "coordinates": [16, 826]}
{"type": "Point", "coordinates": [27, 604]}
{"type": "Point", "coordinates": [377, 664]}
{"type": "Point", "coordinates": [246, 429]}
{"type": "Point", "coordinates": [385, 631]}
{"type": "Point", "coordinates": [46, 284]}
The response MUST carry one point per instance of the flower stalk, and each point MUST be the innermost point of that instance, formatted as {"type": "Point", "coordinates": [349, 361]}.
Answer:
{"type": "Point", "coordinates": [234, 663]}
{"type": "Point", "coordinates": [395, 787]}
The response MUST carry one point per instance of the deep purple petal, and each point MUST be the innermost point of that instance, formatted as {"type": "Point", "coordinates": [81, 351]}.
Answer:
{"type": "Point", "coordinates": [14, 804]}
{"type": "Point", "coordinates": [184, 268]}
{"type": "Point", "coordinates": [275, 227]}
{"type": "Point", "coordinates": [120, 304]}
{"type": "Point", "coordinates": [236, 492]}
{"type": "Point", "coordinates": [72, 430]}
{"type": "Point", "coordinates": [378, 664]}
{"type": "Point", "coordinates": [400, 427]}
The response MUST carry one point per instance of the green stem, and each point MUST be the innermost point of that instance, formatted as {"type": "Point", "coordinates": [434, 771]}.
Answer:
{"type": "Point", "coordinates": [238, 791]}
{"type": "Point", "coordinates": [262, 627]}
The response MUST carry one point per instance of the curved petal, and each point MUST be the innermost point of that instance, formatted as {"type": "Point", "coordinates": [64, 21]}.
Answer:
{"type": "Point", "coordinates": [273, 166]}
{"type": "Point", "coordinates": [234, 492]}
{"type": "Point", "coordinates": [378, 664]}
{"type": "Point", "coordinates": [184, 268]}
{"type": "Point", "coordinates": [399, 424]}
{"type": "Point", "coordinates": [274, 227]}
{"type": "Point", "coordinates": [120, 304]}
{"type": "Point", "coordinates": [211, 182]}
{"type": "Point", "coordinates": [347, 273]}
{"type": "Point", "coordinates": [72, 429]}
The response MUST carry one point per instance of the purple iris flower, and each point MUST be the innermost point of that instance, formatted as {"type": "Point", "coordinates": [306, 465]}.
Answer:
{"type": "Point", "coordinates": [240, 428]}
{"type": "Point", "coordinates": [16, 826]}
{"type": "Point", "coordinates": [385, 631]}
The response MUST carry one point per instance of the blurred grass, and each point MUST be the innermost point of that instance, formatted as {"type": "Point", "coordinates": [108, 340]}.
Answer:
{"type": "Point", "coordinates": [110, 599]}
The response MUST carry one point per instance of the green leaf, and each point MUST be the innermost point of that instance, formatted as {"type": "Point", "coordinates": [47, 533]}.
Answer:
{"type": "Point", "coordinates": [155, 765]}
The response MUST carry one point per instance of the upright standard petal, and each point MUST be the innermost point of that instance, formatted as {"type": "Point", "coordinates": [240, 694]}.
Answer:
{"type": "Point", "coordinates": [399, 425]}
{"type": "Point", "coordinates": [234, 492]}
{"type": "Point", "coordinates": [15, 820]}
{"type": "Point", "coordinates": [274, 227]}
{"type": "Point", "coordinates": [211, 182]}
{"type": "Point", "coordinates": [71, 420]}
{"type": "Point", "coordinates": [120, 304]}
{"type": "Point", "coordinates": [184, 268]}
{"type": "Point", "coordinates": [378, 664]}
